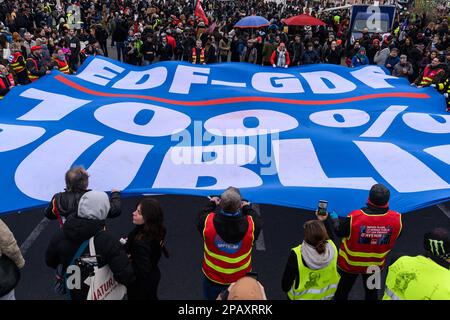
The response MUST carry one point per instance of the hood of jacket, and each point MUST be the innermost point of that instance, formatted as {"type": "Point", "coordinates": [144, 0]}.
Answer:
{"type": "Point", "coordinates": [79, 229]}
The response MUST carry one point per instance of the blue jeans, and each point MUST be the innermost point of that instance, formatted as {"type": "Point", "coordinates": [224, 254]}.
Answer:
{"type": "Point", "coordinates": [211, 290]}
{"type": "Point", "coordinates": [120, 46]}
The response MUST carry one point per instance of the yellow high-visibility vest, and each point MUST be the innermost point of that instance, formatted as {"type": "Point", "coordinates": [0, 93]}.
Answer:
{"type": "Point", "coordinates": [417, 278]}
{"type": "Point", "coordinates": [315, 284]}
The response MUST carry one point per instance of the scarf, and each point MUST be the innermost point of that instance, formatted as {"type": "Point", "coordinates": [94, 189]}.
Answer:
{"type": "Point", "coordinates": [281, 62]}
{"type": "Point", "coordinates": [313, 259]}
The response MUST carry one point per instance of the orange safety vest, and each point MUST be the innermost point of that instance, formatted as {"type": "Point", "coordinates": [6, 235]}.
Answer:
{"type": "Point", "coordinates": [225, 263]}
{"type": "Point", "coordinates": [16, 65]}
{"type": "Point", "coordinates": [194, 56]}
{"type": "Point", "coordinates": [428, 75]}
{"type": "Point", "coordinates": [31, 76]}
{"type": "Point", "coordinates": [62, 66]}
{"type": "Point", "coordinates": [371, 238]}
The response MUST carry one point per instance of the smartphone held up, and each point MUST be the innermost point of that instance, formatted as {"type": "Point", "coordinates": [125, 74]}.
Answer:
{"type": "Point", "coordinates": [322, 207]}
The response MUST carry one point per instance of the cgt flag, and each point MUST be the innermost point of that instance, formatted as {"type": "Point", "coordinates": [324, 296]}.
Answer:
{"type": "Point", "coordinates": [200, 13]}
{"type": "Point", "coordinates": [283, 136]}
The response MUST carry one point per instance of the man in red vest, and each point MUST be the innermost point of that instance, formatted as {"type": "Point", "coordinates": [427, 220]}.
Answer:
{"type": "Point", "coordinates": [369, 234]}
{"type": "Point", "coordinates": [229, 227]}
{"type": "Point", "coordinates": [6, 81]}
{"type": "Point", "coordinates": [59, 62]}
{"type": "Point", "coordinates": [432, 74]}
{"type": "Point", "coordinates": [198, 53]}
{"type": "Point", "coordinates": [35, 64]}
{"type": "Point", "coordinates": [17, 63]}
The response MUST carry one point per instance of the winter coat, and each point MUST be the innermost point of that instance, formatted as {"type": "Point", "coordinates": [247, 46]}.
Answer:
{"type": "Point", "coordinates": [9, 247]}
{"type": "Point", "coordinates": [310, 57]}
{"type": "Point", "coordinates": [333, 56]}
{"type": "Point", "coordinates": [381, 56]}
{"type": "Point", "coordinates": [360, 60]}
{"type": "Point", "coordinates": [144, 255]}
{"type": "Point", "coordinates": [66, 204]}
{"type": "Point", "coordinates": [66, 242]}
{"type": "Point", "coordinates": [391, 61]}
{"type": "Point", "coordinates": [398, 70]}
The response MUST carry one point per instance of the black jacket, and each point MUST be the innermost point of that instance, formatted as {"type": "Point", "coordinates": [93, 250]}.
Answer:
{"type": "Point", "coordinates": [333, 56]}
{"type": "Point", "coordinates": [38, 68]}
{"type": "Point", "coordinates": [65, 244]}
{"type": "Point", "coordinates": [231, 229]}
{"type": "Point", "coordinates": [144, 255]}
{"type": "Point", "coordinates": [310, 57]}
{"type": "Point", "coordinates": [66, 204]}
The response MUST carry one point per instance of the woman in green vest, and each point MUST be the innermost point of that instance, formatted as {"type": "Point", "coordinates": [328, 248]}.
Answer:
{"type": "Point", "coordinates": [311, 271]}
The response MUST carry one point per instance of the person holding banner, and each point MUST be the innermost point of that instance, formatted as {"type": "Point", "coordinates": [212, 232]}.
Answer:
{"type": "Point", "coordinates": [432, 74]}
{"type": "Point", "coordinates": [280, 57]}
{"type": "Point", "coordinates": [59, 62]}
{"type": "Point", "coordinates": [228, 237]}
{"type": "Point", "coordinates": [369, 234]}
{"type": "Point", "coordinates": [17, 63]}
{"type": "Point", "coordinates": [65, 204]}
{"type": "Point", "coordinates": [71, 242]}
{"type": "Point", "coordinates": [35, 66]}
{"type": "Point", "coordinates": [6, 81]}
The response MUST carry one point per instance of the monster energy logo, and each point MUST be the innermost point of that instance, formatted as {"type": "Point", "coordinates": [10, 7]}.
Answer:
{"type": "Point", "coordinates": [435, 244]}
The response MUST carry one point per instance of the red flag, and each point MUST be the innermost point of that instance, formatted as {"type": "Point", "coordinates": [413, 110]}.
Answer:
{"type": "Point", "coordinates": [200, 13]}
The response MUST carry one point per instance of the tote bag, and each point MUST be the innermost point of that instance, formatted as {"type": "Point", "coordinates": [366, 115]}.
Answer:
{"type": "Point", "coordinates": [102, 284]}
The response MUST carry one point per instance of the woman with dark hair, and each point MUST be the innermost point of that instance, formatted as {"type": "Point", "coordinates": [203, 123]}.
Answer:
{"type": "Point", "coordinates": [144, 247]}
{"type": "Point", "coordinates": [311, 271]}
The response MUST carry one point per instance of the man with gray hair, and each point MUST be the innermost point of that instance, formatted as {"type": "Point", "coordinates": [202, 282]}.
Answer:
{"type": "Point", "coordinates": [71, 242]}
{"type": "Point", "coordinates": [64, 204]}
{"type": "Point", "coordinates": [229, 227]}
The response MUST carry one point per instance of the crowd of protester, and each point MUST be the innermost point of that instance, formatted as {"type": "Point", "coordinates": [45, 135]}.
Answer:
{"type": "Point", "coordinates": [38, 36]}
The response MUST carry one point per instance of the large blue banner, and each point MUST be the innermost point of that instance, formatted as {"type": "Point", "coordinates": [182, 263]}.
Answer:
{"type": "Point", "coordinates": [283, 136]}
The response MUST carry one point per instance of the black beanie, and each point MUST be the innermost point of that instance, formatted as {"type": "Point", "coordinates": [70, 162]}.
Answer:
{"type": "Point", "coordinates": [379, 195]}
{"type": "Point", "coordinates": [437, 242]}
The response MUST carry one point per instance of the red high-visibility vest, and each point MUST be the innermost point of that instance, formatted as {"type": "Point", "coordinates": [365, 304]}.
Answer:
{"type": "Point", "coordinates": [32, 77]}
{"type": "Point", "coordinates": [428, 75]}
{"type": "Point", "coordinates": [371, 238]}
{"type": "Point", "coordinates": [62, 66]}
{"type": "Point", "coordinates": [194, 55]}
{"type": "Point", "coordinates": [225, 263]}
{"type": "Point", "coordinates": [4, 85]}
{"type": "Point", "coordinates": [16, 65]}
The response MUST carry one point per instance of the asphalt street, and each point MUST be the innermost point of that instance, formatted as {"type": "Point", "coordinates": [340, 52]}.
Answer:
{"type": "Point", "coordinates": [181, 273]}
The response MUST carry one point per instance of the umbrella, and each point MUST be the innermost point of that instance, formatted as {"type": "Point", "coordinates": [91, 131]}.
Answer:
{"type": "Point", "coordinates": [252, 22]}
{"type": "Point", "coordinates": [303, 20]}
